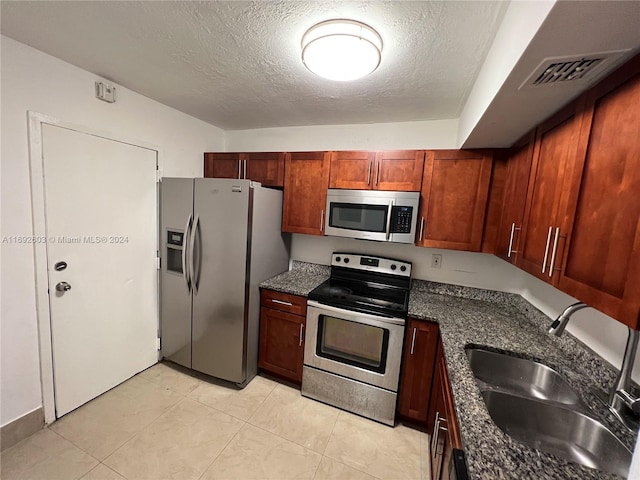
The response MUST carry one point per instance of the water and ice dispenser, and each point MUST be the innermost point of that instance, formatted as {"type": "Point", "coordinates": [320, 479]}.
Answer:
{"type": "Point", "coordinates": [175, 246]}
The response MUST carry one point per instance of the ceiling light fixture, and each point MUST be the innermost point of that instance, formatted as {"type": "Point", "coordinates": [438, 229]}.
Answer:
{"type": "Point", "coordinates": [341, 50]}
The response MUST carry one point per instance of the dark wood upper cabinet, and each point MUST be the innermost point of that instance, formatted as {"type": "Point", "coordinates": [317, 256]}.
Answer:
{"type": "Point", "coordinates": [453, 199]}
{"type": "Point", "coordinates": [352, 170]}
{"type": "Point", "coordinates": [515, 196]}
{"type": "Point", "coordinates": [305, 192]}
{"type": "Point", "coordinates": [264, 167]}
{"type": "Point", "coordinates": [399, 170]}
{"type": "Point", "coordinates": [601, 262]}
{"type": "Point", "coordinates": [222, 165]}
{"type": "Point", "coordinates": [542, 236]}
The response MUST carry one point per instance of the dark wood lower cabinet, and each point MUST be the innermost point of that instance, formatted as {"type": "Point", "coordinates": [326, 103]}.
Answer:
{"type": "Point", "coordinates": [282, 323]}
{"type": "Point", "coordinates": [417, 371]}
{"type": "Point", "coordinates": [445, 433]}
{"type": "Point", "coordinates": [425, 393]}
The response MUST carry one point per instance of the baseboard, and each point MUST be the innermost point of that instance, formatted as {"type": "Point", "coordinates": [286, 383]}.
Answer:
{"type": "Point", "coordinates": [21, 428]}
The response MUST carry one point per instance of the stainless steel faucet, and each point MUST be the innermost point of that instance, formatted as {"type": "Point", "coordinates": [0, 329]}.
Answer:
{"type": "Point", "coordinates": [560, 323]}
{"type": "Point", "coordinates": [620, 400]}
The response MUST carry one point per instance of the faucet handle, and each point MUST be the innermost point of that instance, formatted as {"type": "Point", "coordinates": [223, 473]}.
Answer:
{"type": "Point", "coordinates": [629, 400]}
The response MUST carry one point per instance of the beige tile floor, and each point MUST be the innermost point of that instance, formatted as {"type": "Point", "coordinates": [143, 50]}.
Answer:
{"type": "Point", "coordinates": [167, 423]}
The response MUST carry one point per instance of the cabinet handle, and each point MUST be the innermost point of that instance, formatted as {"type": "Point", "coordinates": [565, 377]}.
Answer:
{"type": "Point", "coordinates": [421, 229]}
{"type": "Point", "coordinates": [369, 174]}
{"type": "Point", "coordinates": [434, 434]}
{"type": "Point", "coordinates": [511, 250]}
{"type": "Point", "coordinates": [244, 168]}
{"type": "Point", "coordinates": [413, 340]}
{"type": "Point", "coordinates": [553, 252]}
{"type": "Point", "coordinates": [378, 172]}
{"type": "Point", "coordinates": [546, 250]}
{"type": "Point", "coordinates": [301, 330]}
{"type": "Point", "coordinates": [322, 220]}
{"type": "Point", "coordinates": [288, 304]}
{"type": "Point", "coordinates": [239, 169]}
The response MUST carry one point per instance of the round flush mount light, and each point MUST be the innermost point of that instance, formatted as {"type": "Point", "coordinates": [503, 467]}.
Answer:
{"type": "Point", "coordinates": [341, 50]}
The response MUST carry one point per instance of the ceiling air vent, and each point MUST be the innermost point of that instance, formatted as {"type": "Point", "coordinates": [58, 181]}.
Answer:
{"type": "Point", "coordinates": [583, 68]}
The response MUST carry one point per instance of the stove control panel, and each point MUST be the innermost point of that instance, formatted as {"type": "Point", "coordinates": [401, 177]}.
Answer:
{"type": "Point", "coordinates": [371, 263]}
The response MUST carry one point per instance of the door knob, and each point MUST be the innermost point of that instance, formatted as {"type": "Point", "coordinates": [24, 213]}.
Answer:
{"type": "Point", "coordinates": [63, 287]}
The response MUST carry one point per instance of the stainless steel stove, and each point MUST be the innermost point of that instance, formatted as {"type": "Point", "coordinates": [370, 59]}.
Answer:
{"type": "Point", "coordinates": [355, 330]}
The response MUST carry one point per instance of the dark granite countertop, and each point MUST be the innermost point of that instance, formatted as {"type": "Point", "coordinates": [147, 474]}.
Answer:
{"type": "Point", "coordinates": [506, 322]}
{"type": "Point", "coordinates": [300, 280]}
{"type": "Point", "coordinates": [502, 322]}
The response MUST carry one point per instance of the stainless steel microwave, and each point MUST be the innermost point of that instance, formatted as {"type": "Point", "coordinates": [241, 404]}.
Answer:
{"type": "Point", "coordinates": [372, 215]}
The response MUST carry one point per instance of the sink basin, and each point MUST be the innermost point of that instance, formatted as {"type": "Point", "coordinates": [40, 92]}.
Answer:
{"type": "Point", "coordinates": [520, 376]}
{"type": "Point", "coordinates": [558, 430]}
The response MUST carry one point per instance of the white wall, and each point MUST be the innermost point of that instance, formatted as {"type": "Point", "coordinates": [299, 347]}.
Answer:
{"type": "Point", "coordinates": [601, 333]}
{"type": "Point", "coordinates": [32, 80]}
{"type": "Point", "coordinates": [440, 134]}
{"type": "Point", "coordinates": [461, 268]}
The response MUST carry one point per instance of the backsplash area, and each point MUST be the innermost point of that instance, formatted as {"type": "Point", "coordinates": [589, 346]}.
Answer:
{"type": "Point", "coordinates": [599, 332]}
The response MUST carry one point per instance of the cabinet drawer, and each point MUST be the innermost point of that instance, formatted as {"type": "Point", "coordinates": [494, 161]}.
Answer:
{"type": "Point", "coordinates": [284, 302]}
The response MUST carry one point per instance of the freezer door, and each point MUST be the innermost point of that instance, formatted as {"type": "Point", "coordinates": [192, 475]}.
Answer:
{"type": "Point", "coordinates": [176, 207]}
{"type": "Point", "coordinates": [222, 212]}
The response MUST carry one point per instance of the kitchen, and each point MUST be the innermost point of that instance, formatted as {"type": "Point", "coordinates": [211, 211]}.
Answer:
{"type": "Point", "coordinates": [27, 86]}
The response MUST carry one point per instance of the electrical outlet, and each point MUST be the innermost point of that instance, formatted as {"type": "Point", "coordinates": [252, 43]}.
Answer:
{"type": "Point", "coordinates": [436, 260]}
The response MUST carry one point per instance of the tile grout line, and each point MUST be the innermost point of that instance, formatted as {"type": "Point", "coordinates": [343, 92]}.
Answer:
{"type": "Point", "coordinates": [128, 440]}
{"type": "Point", "coordinates": [72, 443]}
{"type": "Point", "coordinates": [223, 449]}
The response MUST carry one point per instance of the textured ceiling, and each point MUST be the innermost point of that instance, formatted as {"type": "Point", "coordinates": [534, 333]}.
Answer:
{"type": "Point", "coordinates": [237, 64]}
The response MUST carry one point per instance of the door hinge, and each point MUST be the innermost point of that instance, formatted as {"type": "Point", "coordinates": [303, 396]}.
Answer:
{"type": "Point", "coordinates": [158, 176]}
{"type": "Point", "coordinates": [158, 261]}
{"type": "Point", "coordinates": [158, 343]}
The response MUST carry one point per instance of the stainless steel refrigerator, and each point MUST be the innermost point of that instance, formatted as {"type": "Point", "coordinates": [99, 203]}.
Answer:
{"type": "Point", "coordinates": [219, 239]}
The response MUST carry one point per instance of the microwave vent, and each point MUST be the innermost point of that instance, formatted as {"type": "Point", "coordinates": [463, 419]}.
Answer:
{"type": "Point", "coordinates": [582, 69]}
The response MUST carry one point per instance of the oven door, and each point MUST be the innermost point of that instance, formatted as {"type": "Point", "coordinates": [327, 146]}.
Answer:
{"type": "Point", "coordinates": [355, 345]}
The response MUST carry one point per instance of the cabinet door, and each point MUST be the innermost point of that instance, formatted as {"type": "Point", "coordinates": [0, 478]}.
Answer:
{"type": "Point", "coordinates": [352, 170]}
{"type": "Point", "coordinates": [601, 266]}
{"type": "Point", "coordinates": [281, 343]}
{"type": "Point", "coordinates": [515, 196]}
{"type": "Point", "coordinates": [305, 192]}
{"type": "Point", "coordinates": [444, 424]}
{"type": "Point", "coordinates": [266, 168]}
{"type": "Point", "coordinates": [222, 165]}
{"type": "Point", "coordinates": [554, 154]}
{"type": "Point", "coordinates": [399, 170]}
{"type": "Point", "coordinates": [454, 199]}
{"type": "Point", "coordinates": [417, 371]}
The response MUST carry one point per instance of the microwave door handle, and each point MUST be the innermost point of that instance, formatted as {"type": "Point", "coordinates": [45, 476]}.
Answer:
{"type": "Point", "coordinates": [390, 209]}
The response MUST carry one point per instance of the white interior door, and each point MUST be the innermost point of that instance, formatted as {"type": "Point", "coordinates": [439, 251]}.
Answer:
{"type": "Point", "coordinates": [101, 216]}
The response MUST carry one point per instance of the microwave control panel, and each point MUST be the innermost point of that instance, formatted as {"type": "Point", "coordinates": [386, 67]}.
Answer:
{"type": "Point", "coordinates": [401, 219]}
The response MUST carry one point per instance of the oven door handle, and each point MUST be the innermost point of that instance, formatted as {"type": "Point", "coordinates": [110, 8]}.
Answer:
{"type": "Point", "coordinates": [363, 316]}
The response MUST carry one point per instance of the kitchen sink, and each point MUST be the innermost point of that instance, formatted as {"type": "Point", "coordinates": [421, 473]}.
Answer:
{"type": "Point", "coordinates": [520, 376]}
{"type": "Point", "coordinates": [558, 430]}
{"type": "Point", "coordinates": [535, 405]}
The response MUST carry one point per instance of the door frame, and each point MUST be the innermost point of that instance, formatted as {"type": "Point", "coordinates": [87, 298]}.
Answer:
{"type": "Point", "coordinates": [38, 212]}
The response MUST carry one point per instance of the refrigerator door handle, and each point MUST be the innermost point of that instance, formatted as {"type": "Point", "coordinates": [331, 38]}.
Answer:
{"type": "Point", "coordinates": [185, 242]}
{"type": "Point", "coordinates": [196, 277]}
{"type": "Point", "coordinates": [192, 245]}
